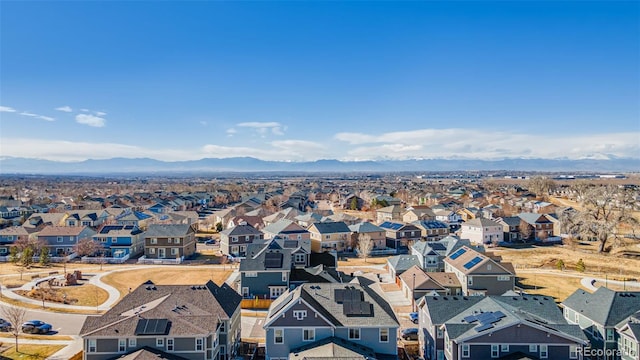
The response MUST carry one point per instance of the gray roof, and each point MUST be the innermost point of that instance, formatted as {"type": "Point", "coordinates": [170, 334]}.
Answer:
{"type": "Point", "coordinates": [605, 307]}
{"type": "Point", "coordinates": [430, 224]}
{"type": "Point", "coordinates": [331, 227]}
{"type": "Point", "coordinates": [442, 247]}
{"type": "Point", "coordinates": [280, 226]}
{"type": "Point", "coordinates": [510, 220]}
{"type": "Point", "coordinates": [365, 227]}
{"type": "Point", "coordinates": [167, 230]}
{"type": "Point", "coordinates": [332, 348]}
{"type": "Point", "coordinates": [403, 262]}
{"type": "Point", "coordinates": [532, 218]}
{"type": "Point", "coordinates": [257, 255]}
{"type": "Point", "coordinates": [322, 299]}
{"type": "Point", "coordinates": [540, 311]}
{"type": "Point", "coordinates": [481, 222]}
{"type": "Point", "coordinates": [149, 353]}
{"type": "Point", "coordinates": [190, 309]}
{"type": "Point", "coordinates": [241, 230]}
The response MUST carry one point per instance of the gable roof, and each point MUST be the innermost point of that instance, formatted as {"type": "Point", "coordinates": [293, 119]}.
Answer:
{"type": "Point", "coordinates": [403, 262]}
{"type": "Point", "coordinates": [605, 307]}
{"type": "Point", "coordinates": [468, 260]}
{"type": "Point", "coordinates": [365, 227]}
{"type": "Point", "coordinates": [330, 227]}
{"type": "Point", "coordinates": [188, 309]}
{"type": "Point", "coordinates": [283, 226]}
{"type": "Point", "coordinates": [241, 230]}
{"type": "Point", "coordinates": [168, 230]}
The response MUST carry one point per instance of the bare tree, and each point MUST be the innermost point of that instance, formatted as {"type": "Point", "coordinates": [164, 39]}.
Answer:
{"type": "Point", "coordinates": [86, 247]}
{"type": "Point", "coordinates": [541, 186]}
{"type": "Point", "coordinates": [15, 315]}
{"type": "Point", "coordinates": [605, 210]}
{"type": "Point", "coordinates": [365, 244]}
{"type": "Point", "coordinates": [525, 230]}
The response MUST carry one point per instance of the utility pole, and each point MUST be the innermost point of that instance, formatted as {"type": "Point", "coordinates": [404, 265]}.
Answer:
{"type": "Point", "coordinates": [413, 294]}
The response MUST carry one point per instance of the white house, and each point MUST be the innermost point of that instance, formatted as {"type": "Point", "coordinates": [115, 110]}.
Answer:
{"type": "Point", "coordinates": [482, 231]}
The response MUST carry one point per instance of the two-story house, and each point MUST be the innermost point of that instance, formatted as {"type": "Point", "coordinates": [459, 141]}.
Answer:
{"type": "Point", "coordinates": [510, 228]}
{"type": "Point", "coordinates": [8, 236]}
{"type": "Point", "coordinates": [479, 274]}
{"type": "Point", "coordinates": [327, 236]}
{"type": "Point", "coordinates": [285, 229]}
{"type": "Point", "coordinates": [329, 321]}
{"type": "Point", "coordinates": [234, 241]}
{"type": "Point", "coordinates": [378, 235]}
{"type": "Point", "coordinates": [169, 241]}
{"type": "Point", "coordinates": [120, 240]}
{"type": "Point", "coordinates": [167, 322]}
{"type": "Point", "coordinates": [399, 235]}
{"type": "Point", "coordinates": [389, 213]}
{"type": "Point", "coordinates": [61, 239]}
{"type": "Point", "coordinates": [482, 231]}
{"type": "Point", "coordinates": [540, 228]}
{"type": "Point", "coordinates": [93, 218]}
{"type": "Point", "coordinates": [418, 213]}
{"type": "Point", "coordinates": [265, 271]}
{"type": "Point", "coordinates": [601, 314]}
{"type": "Point", "coordinates": [431, 254]}
{"type": "Point", "coordinates": [432, 230]}
{"type": "Point", "coordinates": [417, 283]}
{"type": "Point", "coordinates": [496, 327]}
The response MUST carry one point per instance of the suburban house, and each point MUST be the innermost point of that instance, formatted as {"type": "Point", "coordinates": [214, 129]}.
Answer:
{"type": "Point", "coordinates": [286, 229]}
{"type": "Point", "coordinates": [603, 314]}
{"type": "Point", "coordinates": [329, 236]}
{"type": "Point", "coordinates": [417, 282]}
{"type": "Point", "coordinates": [39, 220]}
{"type": "Point", "coordinates": [389, 213]}
{"type": "Point", "coordinates": [331, 321]}
{"type": "Point", "coordinates": [93, 218]}
{"type": "Point", "coordinates": [540, 228]}
{"type": "Point", "coordinates": [167, 322]}
{"type": "Point", "coordinates": [255, 221]}
{"type": "Point", "coordinates": [418, 213]}
{"type": "Point", "coordinates": [400, 235]}
{"type": "Point", "coordinates": [234, 241]}
{"type": "Point", "coordinates": [431, 254]}
{"type": "Point", "coordinates": [377, 234]}
{"type": "Point", "coordinates": [452, 218]}
{"type": "Point", "coordinates": [629, 338]}
{"type": "Point", "coordinates": [134, 218]}
{"type": "Point", "coordinates": [479, 274]}
{"type": "Point", "coordinates": [169, 241]}
{"type": "Point", "coordinates": [432, 230]}
{"type": "Point", "coordinates": [510, 228]}
{"type": "Point", "coordinates": [8, 236]}
{"type": "Point", "coordinates": [61, 239]}
{"type": "Point", "coordinates": [352, 202]}
{"type": "Point", "coordinates": [264, 273]}
{"type": "Point", "coordinates": [496, 327]}
{"type": "Point", "coordinates": [482, 231]}
{"type": "Point", "coordinates": [398, 264]}
{"type": "Point", "coordinates": [119, 241]}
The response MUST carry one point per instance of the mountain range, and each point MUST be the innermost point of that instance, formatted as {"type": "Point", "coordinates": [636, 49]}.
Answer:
{"type": "Point", "coordinates": [12, 165]}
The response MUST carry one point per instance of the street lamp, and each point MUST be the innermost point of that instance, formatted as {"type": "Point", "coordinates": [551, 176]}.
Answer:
{"type": "Point", "coordinates": [413, 294]}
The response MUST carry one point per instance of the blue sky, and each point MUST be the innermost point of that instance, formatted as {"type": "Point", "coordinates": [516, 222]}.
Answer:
{"type": "Point", "coordinates": [296, 81]}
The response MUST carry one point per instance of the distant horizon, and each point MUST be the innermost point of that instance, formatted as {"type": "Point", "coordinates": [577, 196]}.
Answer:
{"type": "Point", "coordinates": [304, 81]}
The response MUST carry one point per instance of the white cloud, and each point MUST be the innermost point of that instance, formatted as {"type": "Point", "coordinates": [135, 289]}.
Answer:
{"type": "Point", "coordinates": [42, 117]}
{"type": "Point", "coordinates": [65, 108]}
{"type": "Point", "coordinates": [90, 120]}
{"type": "Point", "coordinates": [263, 128]}
{"type": "Point", "coordinates": [7, 109]}
{"type": "Point", "coordinates": [26, 113]}
{"type": "Point", "coordinates": [231, 132]}
{"type": "Point", "coordinates": [100, 113]}
{"type": "Point", "coordinates": [85, 110]}
{"type": "Point", "coordinates": [47, 118]}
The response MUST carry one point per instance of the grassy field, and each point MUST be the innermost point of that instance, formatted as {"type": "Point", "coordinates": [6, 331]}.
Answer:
{"type": "Point", "coordinates": [30, 352]}
{"type": "Point", "coordinates": [123, 280]}
{"type": "Point", "coordinates": [558, 287]}
{"type": "Point", "coordinates": [86, 294]}
{"type": "Point", "coordinates": [4, 336]}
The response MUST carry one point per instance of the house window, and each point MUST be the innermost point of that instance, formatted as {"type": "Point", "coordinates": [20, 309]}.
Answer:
{"type": "Point", "coordinates": [169, 241]}
{"type": "Point", "coordinates": [152, 250]}
{"type": "Point", "coordinates": [544, 352]}
{"type": "Point", "coordinates": [91, 346]}
{"type": "Point", "coordinates": [533, 348]}
{"type": "Point", "coordinates": [174, 251]}
{"type": "Point", "coordinates": [284, 276]}
{"type": "Point", "coordinates": [104, 240]}
{"type": "Point", "coordinates": [440, 355]}
{"type": "Point", "coordinates": [223, 328]}
{"type": "Point", "coordinates": [470, 280]}
{"type": "Point", "coordinates": [504, 348]}
{"type": "Point", "coordinates": [308, 334]}
{"type": "Point", "coordinates": [60, 238]}
{"type": "Point", "coordinates": [169, 344]}
{"type": "Point", "coordinates": [160, 342]}
{"type": "Point", "coordinates": [504, 277]}
{"type": "Point", "coordinates": [122, 345]}
{"type": "Point", "coordinates": [573, 352]}
{"type": "Point", "coordinates": [299, 314]}
{"type": "Point", "coordinates": [133, 342]}
{"type": "Point", "coordinates": [495, 350]}
{"type": "Point", "coordinates": [299, 258]}
{"type": "Point", "coordinates": [465, 350]}
{"type": "Point", "coordinates": [113, 240]}
{"type": "Point", "coordinates": [251, 274]}
{"type": "Point", "coordinates": [488, 266]}
{"type": "Point", "coordinates": [199, 344]}
{"type": "Point", "coordinates": [276, 291]}
{"type": "Point", "coordinates": [609, 333]}
{"type": "Point", "coordinates": [223, 352]}
{"type": "Point", "coordinates": [278, 336]}
{"type": "Point", "coordinates": [154, 240]}
{"type": "Point", "coordinates": [384, 335]}
{"type": "Point", "coordinates": [176, 240]}
{"type": "Point", "coordinates": [354, 334]}
{"type": "Point", "coordinates": [243, 248]}
{"type": "Point", "coordinates": [440, 333]}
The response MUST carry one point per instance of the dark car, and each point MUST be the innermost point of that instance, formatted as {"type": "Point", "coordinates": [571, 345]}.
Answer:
{"type": "Point", "coordinates": [414, 317]}
{"type": "Point", "coordinates": [409, 334]}
{"type": "Point", "coordinates": [5, 325]}
{"type": "Point", "coordinates": [210, 242]}
{"type": "Point", "coordinates": [36, 327]}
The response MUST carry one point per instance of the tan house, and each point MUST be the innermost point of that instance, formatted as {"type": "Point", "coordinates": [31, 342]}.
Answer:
{"type": "Point", "coordinates": [377, 234]}
{"type": "Point", "coordinates": [329, 236]}
{"type": "Point", "coordinates": [389, 213]}
{"type": "Point", "coordinates": [169, 241]}
{"type": "Point", "coordinates": [413, 214]}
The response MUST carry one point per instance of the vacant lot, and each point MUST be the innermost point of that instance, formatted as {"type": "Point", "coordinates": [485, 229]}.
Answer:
{"type": "Point", "coordinates": [167, 275]}
{"type": "Point", "coordinates": [30, 351]}
{"type": "Point", "coordinates": [556, 286]}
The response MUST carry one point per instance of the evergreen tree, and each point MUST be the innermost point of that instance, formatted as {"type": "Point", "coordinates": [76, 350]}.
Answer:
{"type": "Point", "coordinates": [580, 266]}
{"type": "Point", "coordinates": [44, 256]}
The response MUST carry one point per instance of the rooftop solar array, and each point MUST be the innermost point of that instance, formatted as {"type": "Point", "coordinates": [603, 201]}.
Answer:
{"type": "Point", "coordinates": [391, 225]}
{"type": "Point", "coordinates": [273, 260]}
{"type": "Point", "coordinates": [473, 262]}
{"type": "Point", "coordinates": [485, 320]}
{"type": "Point", "coordinates": [458, 253]}
{"type": "Point", "coordinates": [152, 327]}
{"type": "Point", "coordinates": [108, 228]}
{"type": "Point", "coordinates": [438, 247]}
{"type": "Point", "coordinates": [352, 301]}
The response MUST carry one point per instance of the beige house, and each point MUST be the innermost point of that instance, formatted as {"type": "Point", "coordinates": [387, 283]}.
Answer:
{"type": "Point", "coordinates": [482, 231]}
{"type": "Point", "coordinates": [329, 236]}
{"type": "Point", "coordinates": [389, 213]}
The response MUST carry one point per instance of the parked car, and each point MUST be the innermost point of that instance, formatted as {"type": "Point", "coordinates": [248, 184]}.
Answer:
{"type": "Point", "coordinates": [210, 242]}
{"type": "Point", "coordinates": [409, 334]}
{"type": "Point", "coordinates": [36, 327]}
{"type": "Point", "coordinates": [414, 317]}
{"type": "Point", "coordinates": [5, 325]}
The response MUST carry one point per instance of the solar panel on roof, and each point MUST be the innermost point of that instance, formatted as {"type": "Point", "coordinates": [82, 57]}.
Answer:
{"type": "Point", "coordinates": [484, 327]}
{"type": "Point", "coordinates": [152, 327]}
{"type": "Point", "coordinates": [458, 253]}
{"type": "Point", "coordinates": [472, 263]}
{"type": "Point", "coordinates": [437, 246]}
{"type": "Point", "coordinates": [273, 260]}
{"type": "Point", "coordinates": [499, 314]}
{"type": "Point", "coordinates": [283, 303]}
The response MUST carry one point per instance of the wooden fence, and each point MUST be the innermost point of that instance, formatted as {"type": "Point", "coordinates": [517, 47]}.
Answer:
{"type": "Point", "coordinates": [256, 303]}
